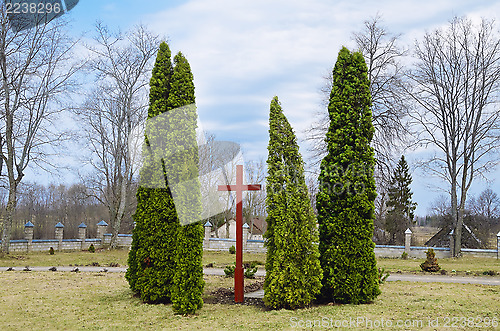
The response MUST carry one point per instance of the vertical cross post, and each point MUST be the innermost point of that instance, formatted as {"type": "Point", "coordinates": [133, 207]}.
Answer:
{"type": "Point", "coordinates": [239, 188]}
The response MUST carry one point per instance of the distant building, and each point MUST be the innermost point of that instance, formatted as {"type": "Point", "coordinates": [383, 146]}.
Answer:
{"type": "Point", "coordinates": [258, 227]}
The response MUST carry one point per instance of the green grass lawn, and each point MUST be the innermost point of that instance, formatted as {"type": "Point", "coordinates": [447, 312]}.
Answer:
{"type": "Point", "coordinates": [103, 301]}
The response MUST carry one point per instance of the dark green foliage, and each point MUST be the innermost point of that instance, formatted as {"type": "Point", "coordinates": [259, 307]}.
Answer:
{"type": "Point", "coordinates": [160, 82]}
{"type": "Point", "coordinates": [152, 256]}
{"type": "Point", "coordinates": [430, 264]}
{"type": "Point", "coordinates": [51, 250]}
{"type": "Point", "coordinates": [293, 273]}
{"type": "Point", "coordinates": [401, 209]}
{"type": "Point", "coordinates": [232, 250]}
{"type": "Point", "coordinates": [188, 283]}
{"type": "Point", "coordinates": [404, 256]}
{"type": "Point", "coordinates": [250, 270]}
{"type": "Point", "coordinates": [229, 270]}
{"type": "Point", "coordinates": [188, 280]}
{"type": "Point", "coordinates": [345, 201]}
{"type": "Point", "coordinates": [91, 248]}
{"type": "Point", "coordinates": [165, 257]}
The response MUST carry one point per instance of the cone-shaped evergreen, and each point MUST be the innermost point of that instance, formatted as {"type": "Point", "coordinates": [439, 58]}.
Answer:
{"type": "Point", "coordinates": [165, 261]}
{"type": "Point", "coordinates": [152, 256]}
{"type": "Point", "coordinates": [188, 279]}
{"type": "Point", "coordinates": [293, 273]}
{"type": "Point", "coordinates": [401, 208]}
{"type": "Point", "coordinates": [345, 201]}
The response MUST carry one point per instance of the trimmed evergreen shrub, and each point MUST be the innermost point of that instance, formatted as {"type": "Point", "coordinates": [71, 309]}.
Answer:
{"type": "Point", "coordinates": [250, 271]}
{"type": "Point", "coordinates": [430, 264]}
{"type": "Point", "coordinates": [229, 270]}
{"type": "Point", "coordinates": [345, 201]}
{"type": "Point", "coordinates": [91, 248]}
{"type": "Point", "coordinates": [152, 256]}
{"type": "Point", "coordinates": [232, 250]}
{"type": "Point", "coordinates": [51, 251]}
{"type": "Point", "coordinates": [293, 272]}
{"type": "Point", "coordinates": [188, 285]}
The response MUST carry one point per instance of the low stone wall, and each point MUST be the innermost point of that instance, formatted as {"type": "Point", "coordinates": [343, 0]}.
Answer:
{"type": "Point", "coordinates": [211, 244]}
{"type": "Point", "coordinates": [255, 246]}
{"type": "Point", "coordinates": [218, 244]}
{"type": "Point", "coordinates": [416, 252]}
{"type": "Point", "coordinates": [43, 245]}
{"type": "Point", "coordinates": [480, 252]}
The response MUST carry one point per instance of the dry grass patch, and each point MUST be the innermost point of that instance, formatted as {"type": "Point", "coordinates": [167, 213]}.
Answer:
{"type": "Point", "coordinates": [473, 265]}
{"type": "Point", "coordinates": [105, 257]}
{"type": "Point", "coordinates": [103, 301]}
{"type": "Point", "coordinates": [44, 259]}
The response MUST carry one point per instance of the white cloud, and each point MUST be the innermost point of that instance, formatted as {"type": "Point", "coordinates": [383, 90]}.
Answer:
{"type": "Point", "coordinates": [243, 53]}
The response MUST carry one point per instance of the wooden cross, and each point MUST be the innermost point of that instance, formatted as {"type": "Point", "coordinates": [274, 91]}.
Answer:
{"type": "Point", "coordinates": [239, 188]}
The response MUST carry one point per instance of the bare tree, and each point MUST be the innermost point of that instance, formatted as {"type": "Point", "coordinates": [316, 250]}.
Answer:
{"type": "Point", "coordinates": [383, 56]}
{"type": "Point", "coordinates": [455, 85]}
{"type": "Point", "coordinates": [217, 164]}
{"type": "Point", "coordinates": [254, 202]}
{"type": "Point", "coordinates": [36, 70]}
{"type": "Point", "coordinates": [486, 204]}
{"type": "Point", "coordinates": [112, 110]}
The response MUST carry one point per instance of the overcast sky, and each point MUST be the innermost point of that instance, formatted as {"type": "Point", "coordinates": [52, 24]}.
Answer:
{"type": "Point", "coordinates": [242, 53]}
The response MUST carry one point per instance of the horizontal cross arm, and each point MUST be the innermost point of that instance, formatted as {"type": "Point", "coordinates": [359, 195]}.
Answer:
{"type": "Point", "coordinates": [227, 188]}
{"type": "Point", "coordinates": [255, 187]}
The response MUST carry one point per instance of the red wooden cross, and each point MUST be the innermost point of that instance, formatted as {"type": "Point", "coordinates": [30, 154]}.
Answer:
{"type": "Point", "coordinates": [239, 188]}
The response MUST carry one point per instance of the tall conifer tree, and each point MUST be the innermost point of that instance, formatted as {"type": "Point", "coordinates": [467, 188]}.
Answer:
{"type": "Point", "coordinates": [152, 256]}
{"type": "Point", "coordinates": [165, 262]}
{"type": "Point", "coordinates": [188, 280]}
{"type": "Point", "coordinates": [401, 208]}
{"type": "Point", "coordinates": [293, 273]}
{"type": "Point", "coordinates": [345, 201]}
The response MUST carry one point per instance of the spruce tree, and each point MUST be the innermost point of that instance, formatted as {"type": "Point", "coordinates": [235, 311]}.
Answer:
{"type": "Point", "coordinates": [152, 256]}
{"type": "Point", "coordinates": [345, 201]}
{"type": "Point", "coordinates": [293, 273]}
{"type": "Point", "coordinates": [188, 284]}
{"type": "Point", "coordinates": [401, 208]}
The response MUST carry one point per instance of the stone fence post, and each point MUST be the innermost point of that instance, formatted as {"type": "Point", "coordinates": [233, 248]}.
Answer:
{"type": "Point", "coordinates": [408, 241]}
{"type": "Point", "coordinates": [498, 243]}
{"type": "Point", "coordinates": [452, 243]}
{"type": "Point", "coordinates": [59, 235]}
{"type": "Point", "coordinates": [246, 229]}
{"type": "Point", "coordinates": [101, 230]}
{"type": "Point", "coordinates": [28, 235]}
{"type": "Point", "coordinates": [82, 234]}
{"type": "Point", "coordinates": [208, 230]}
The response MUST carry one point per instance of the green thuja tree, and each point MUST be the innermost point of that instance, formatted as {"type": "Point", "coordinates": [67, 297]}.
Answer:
{"type": "Point", "coordinates": [188, 283]}
{"type": "Point", "coordinates": [401, 209]}
{"type": "Point", "coordinates": [154, 240]}
{"type": "Point", "coordinates": [345, 201]}
{"type": "Point", "coordinates": [293, 272]}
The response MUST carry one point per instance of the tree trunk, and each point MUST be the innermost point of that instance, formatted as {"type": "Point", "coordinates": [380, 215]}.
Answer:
{"type": "Point", "coordinates": [7, 220]}
{"type": "Point", "coordinates": [457, 223]}
{"type": "Point", "coordinates": [119, 216]}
